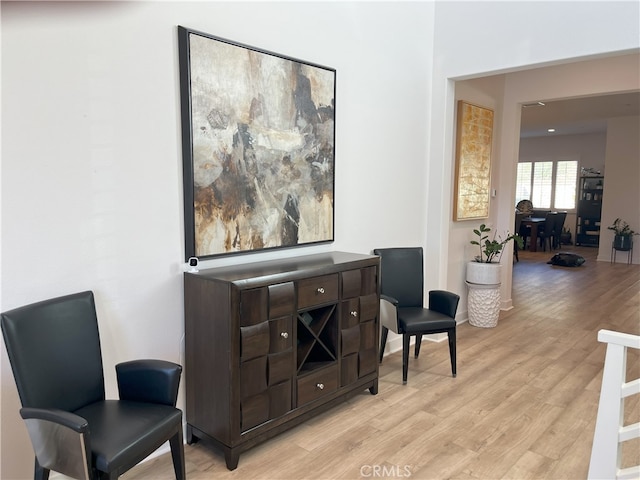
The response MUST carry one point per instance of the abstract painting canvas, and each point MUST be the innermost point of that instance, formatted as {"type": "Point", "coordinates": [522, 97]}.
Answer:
{"type": "Point", "coordinates": [258, 136]}
{"type": "Point", "coordinates": [473, 162]}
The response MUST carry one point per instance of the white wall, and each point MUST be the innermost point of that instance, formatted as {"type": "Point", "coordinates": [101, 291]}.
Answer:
{"type": "Point", "coordinates": [621, 197]}
{"type": "Point", "coordinates": [91, 162]}
{"type": "Point", "coordinates": [91, 182]}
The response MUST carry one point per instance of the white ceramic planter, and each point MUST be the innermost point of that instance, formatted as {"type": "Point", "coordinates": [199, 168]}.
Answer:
{"type": "Point", "coordinates": [483, 305]}
{"type": "Point", "coordinates": [483, 302]}
{"type": "Point", "coordinates": [484, 273]}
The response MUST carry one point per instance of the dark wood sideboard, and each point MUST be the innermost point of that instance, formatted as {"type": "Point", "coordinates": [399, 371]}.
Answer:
{"type": "Point", "coordinates": [271, 344]}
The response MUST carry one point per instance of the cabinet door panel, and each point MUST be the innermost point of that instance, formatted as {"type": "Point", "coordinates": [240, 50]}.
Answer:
{"type": "Point", "coordinates": [254, 341]}
{"type": "Point", "coordinates": [368, 335]}
{"type": "Point", "coordinates": [281, 334]}
{"type": "Point", "coordinates": [317, 290]}
{"type": "Point", "coordinates": [282, 299]}
{"type": "Point", "coordinates": [279, 399]}
{"type": "Point", "coordinates": [350, 340]}
{"type": "Point", "coordinates": [253, 306]}
{"type": "Point", "coordinates": [351, 283]}
{"type": "Point", "coordinates": [369, 280]}
{"type": "Point", "coordinates": [253, 377]}
{"type": "Point", "coordinates": [349, 369]}
{"type": "Point", "coordinates": [280, 367]}
{"type": "Point", "coordinates": [350, 311]}
{"type": "Point", "coordinates": [367, 361]}
{"type": "Point", "coordinates": [369, 305]}
{"type": "Point", "coordinates": [254, 411]}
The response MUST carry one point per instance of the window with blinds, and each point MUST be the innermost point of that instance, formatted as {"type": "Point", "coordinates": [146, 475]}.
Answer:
{"type": "Point", "coordinates": [548, 184]}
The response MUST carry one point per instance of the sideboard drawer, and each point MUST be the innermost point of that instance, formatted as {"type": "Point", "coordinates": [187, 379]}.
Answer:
{"type": "Point", "coordinates": [317, 384]}
{"type": "Point", "coordinates": [317, 290]}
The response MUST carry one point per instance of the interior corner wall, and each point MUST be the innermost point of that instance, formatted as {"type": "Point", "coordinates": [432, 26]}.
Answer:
{"type": "Point", "coordinates": [621, 197]}
{"type": "Point", "coordinates": [486, 92]}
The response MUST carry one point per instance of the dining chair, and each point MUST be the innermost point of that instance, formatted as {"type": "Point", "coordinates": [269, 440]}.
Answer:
{"type": "Point", "coordinates": [548, 231]}
{"type": "Point", "coordinates": [524, 207]}
{"type": "Point", "coordinates": [402, 304]}
{"type": "Point", "coordinates": [560, 219]}
{"type": "Point", "coordinates": [54, 352]}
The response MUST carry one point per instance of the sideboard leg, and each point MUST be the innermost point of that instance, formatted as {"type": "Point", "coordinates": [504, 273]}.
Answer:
{"type": "Point", "coordinates": [373, 389]}
{"type": "Point", "coordinates": [190, 437]}
{"type": "Point", "coordinates": [231, 458]}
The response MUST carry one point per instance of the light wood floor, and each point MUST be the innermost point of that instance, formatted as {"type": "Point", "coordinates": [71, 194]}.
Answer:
{"type": "Point", "coordinates": [523, 405]}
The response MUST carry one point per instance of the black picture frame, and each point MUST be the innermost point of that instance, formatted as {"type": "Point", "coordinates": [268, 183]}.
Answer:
{"type": "Point", "coordinates": [258, 148]}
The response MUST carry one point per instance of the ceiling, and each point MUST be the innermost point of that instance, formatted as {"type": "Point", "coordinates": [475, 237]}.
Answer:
{"type": "Point", "coordinates": [577, 115]}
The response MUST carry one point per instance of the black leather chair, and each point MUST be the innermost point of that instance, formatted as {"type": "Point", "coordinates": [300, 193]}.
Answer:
{"type": "Point", "coordinates": [402, 304]}
{"type": "Point", "coordinates": [54, 350]}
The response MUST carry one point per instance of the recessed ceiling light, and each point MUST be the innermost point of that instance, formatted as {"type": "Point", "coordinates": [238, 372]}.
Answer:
{"type": "Point", "coordinates": [551, 130]}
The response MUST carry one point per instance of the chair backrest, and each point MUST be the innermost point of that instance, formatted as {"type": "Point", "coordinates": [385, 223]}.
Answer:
{"type": "Point", "coordinates": [519, 217]}
{"type": "Point", "coordinates": [540, 213]}
{"type": "Point", "coordinates": [549, 223]}
{"type": "Point", "coordinates": [562, 216]}
{"type": "Point", "coordinates": [54, 350]}
{"type": "Point", "coordinates": [401, 275]}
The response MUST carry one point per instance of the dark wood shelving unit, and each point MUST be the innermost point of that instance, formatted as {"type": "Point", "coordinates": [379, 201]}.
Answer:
{"type": "Point", "coordinates": [589, 211]}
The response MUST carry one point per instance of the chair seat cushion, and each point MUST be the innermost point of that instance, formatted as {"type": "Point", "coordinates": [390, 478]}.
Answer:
{"type": "Point", "coordinates": [415, 320]}
{"type": "Point", "coordinates": [120, 430]}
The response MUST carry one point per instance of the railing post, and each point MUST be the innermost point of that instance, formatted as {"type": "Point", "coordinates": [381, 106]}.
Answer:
{"type": "Point", "coordinates": [606, 449]}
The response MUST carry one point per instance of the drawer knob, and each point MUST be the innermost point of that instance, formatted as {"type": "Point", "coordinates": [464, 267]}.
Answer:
{"type": "Point", "coordinates": [320, 386]}
{"type": "Point", "coordinates": [354, 313]}
{"type": "Point", "coordinates": [284, 335]}
{"type": "Point", "coordinates": [320, 290]}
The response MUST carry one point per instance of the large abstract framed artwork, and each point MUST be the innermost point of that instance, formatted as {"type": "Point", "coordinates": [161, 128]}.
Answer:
{"type": "Point", "coordinates": [258, 136]}
{"type": "Point", "coordinates": [474, 136]}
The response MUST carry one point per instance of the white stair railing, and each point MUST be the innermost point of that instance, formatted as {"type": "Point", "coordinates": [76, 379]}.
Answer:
{"type": "Point", "coordinates": [610, 430]}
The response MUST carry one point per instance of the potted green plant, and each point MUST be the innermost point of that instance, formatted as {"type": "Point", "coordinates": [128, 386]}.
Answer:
{"type": "Point", "coordinates": [623, 235]}
{"type": "Point", "coordinates": [491, 250]}
{"type": "Point", "coordinates": [485, 268]}
{"type": "Point", "coordinates": [484, 277]}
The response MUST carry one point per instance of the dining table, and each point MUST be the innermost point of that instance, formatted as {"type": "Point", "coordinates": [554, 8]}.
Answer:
{"type": "Point", "coordinates": [534, 223]}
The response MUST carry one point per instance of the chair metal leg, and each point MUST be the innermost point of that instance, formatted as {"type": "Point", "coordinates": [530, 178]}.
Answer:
{"type": "Point", "coordinates": [177, 454]}
{"type": "Point", "coordinates": [383, 341]}
{"type": "Point", "coordinates": [40, 473]}
{"type": "Point", "coordinates": [405, 356]}
{"type": "Point", "coordinates": [418, 344]}
{"type": "Point", "coordinates": [452, 350]}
